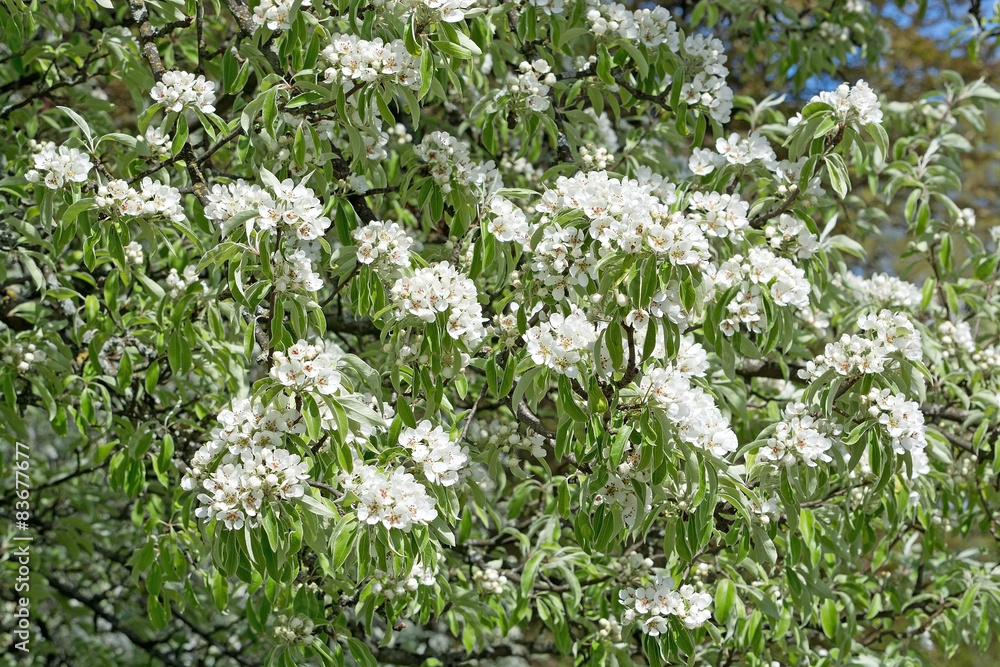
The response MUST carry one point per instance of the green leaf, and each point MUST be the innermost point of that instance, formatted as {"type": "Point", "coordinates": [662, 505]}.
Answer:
{"type": "Point", "coordinates": [725, 599]}
{"type": "Point", "coordinates": [830, 617]}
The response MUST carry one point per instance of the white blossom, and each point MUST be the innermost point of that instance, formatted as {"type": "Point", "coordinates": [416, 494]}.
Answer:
{"type": "Point", "coordinates": [177, 90]}
{"type": "Point", "coordinates": [56, 167]}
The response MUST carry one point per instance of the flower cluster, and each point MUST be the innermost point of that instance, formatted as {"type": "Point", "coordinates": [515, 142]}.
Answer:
{"type": "Point", "coordinates": [508, 222]}
{"type": "Point", "coordinates": [275, 13]}
{"type": "Point", "coordinates": [177, 90]}
{"type": "Point", "coordinates": [294, 270]}
{"type": "Point", "coordinates": [797, 435]}
{"type": "Point", "coordinates": [653, 604]}
{"type": "Point", "coordinates": [354, 59]}
{"type": "Point", "coordinates": [623, 215]}
{"type": "Point", "coordinates": [620, 494]}
{"type": "Point", "coordinates": [595, 159]}
{"type": "Point", "coordinates": [385, 246]}
{"type": "Point", "coordinates": [739, 151]}
{"type": "Point", "coordinates": [549, 7]}
{"type": "Point", "coordinates": [152, 198]}
{"type": "Point", "coordinates": [648, 27]}
{"type": "Point", "coordinates": [789, 233]}
{"type": "Point", "coordinates": [297, 630]}
{"type": "Point", "coordinates": [134, 254]}
{"type": "Point", "coordinates": [562, 342]}
{"type": "Point", "coordinates": [450, 164]}
{"type": "Point", "coordinates": [241, 428]}
{"type": "Point", "coordinates": [178, 283]}
{"type": "Point", "coordinates": [525, 90]}
{"type": "Point", "coordinates": [306, 367]}
{"type": "Point", "coordinates": [888, 333]}
{"type": "Point", "coordinates": [55, 167]}
{"type": "Point", "coordinates": [395, 500]}
{"type": "Point", "coordinates": [881, 290]}
{"type": "Point", "coordinates": [22, 356]}
{"type": "Point", "coordinates": [720, 215]}
{"type": "Point", "coordinates": [254, 468]}
{"type": "Point", "coordinates": [759, 273]}
{"type": "Point", "coordinates": [904, 422]}
{"type": "Point", "coordinates": [708, 87]}
{"type": "Point", "coordinates": [393, 585]}
{"type": "Point", "coordinates": [956, 338]}
{"type": "Point", "coordinates": [437, 289]}
{"type": "Point", "coordinates": [850, 104]}
{"type": "Point", "coordinates": [156, 141]}
{"type": "Point", "coordinates": [495, 433]}
{"type": "Point", "coordinates": [291, 206]}
{"type": "Point", "coordinates": [489, 578]}
{"type": "Point", "coordinates": [689, 407]}
{"type": "Point", "coordinates": [441, 457]}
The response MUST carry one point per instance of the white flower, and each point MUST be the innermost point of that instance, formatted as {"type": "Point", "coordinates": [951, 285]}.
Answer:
{"type": "Point", "coordinates": [442, 458]}
{"type": "Point", "coordinates": [385, 246]}
{"type": "Point", "coordinates": [440, 288]}
{"type": "Point", "coordinates": [177, 89]}
{"type": "Point", "coordinates": [354, 59]}
{"type": "Point", "coordinates": [275, 13]}
{"type": "Point", "coordinates": [57, 167]}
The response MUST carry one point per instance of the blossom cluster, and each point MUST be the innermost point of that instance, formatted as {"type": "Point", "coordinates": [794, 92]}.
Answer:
{"type": "Point", "coordinates": [177, 89]}
{"type": "Point", "coordinates": [623, 214]}
{"type": "Point", "coordinates": [55, 167]}
{"type": "Point", "coordinates": [648, 27]}
{"type": "Point", "coordinates": [430, 11]}
{"type": "Point", "coordinates": [857, 103]}
{"type": "Point", "coordinates": [880, 289]}
{"type": "Point", "coordinates": [295, 270]}
{"type": "Point", "coordinates": [354, 59]}
{"type": "Point", "coordinates": [451, 164]}
{"type": "Point", "coordinates": [393, 585]}
{"type": "Point", "coordinates": [396, 500]}
{"type": "Point", "coordinates": [22, 356]}
{"type": "Point", "coordinates": [254, 468]}
{"type": "Point", "coordinates": [720, 215]}
{"type": "Point", "coordinates": [157, 141]}
{"type": "Point", "coordinates": [790, 234]}
{"type": "Point", "coordinates": [297, 630]}
{"type": "Point", "coordinates": [798, 435]}
{"type": "Point", "coordinates": [619, 494]}
{"type": "Point", "coordinates": [563, 342]}
{"type": "Point", "coordinates": [494, 433]}
{"type": "Point", "coordinates": [306, 367]}
{"type": "Point", "coordinates": [134, 254]}
{"type": "Point", "coordinates": [490, 580]}
{"type": "Point", "coordinates": [525, 90]}
{"type": "Point", "coordinates": [178, 283]}
{"type": "Point", "coordinates": [653, 604]}
{"type": "Point", "coordinates": [275, 13]}
{"type": "Point", "coordinates": [441, 457]}
{"type": "Point", "coordinates": [152, 198]}
{"type": "Point", "coordinates": [549, 7]}
{"type": "Point", "coordinates": [708, 87]}
{"type": "Point", "coordinates": [290, 206]}
{"type": "Point", "coordinates": [904, 422]}
{"type": "Point", "coordinates": [887, 333]}
{"type": "Point", "coordinates": [508, 222]}
{"type": "Point", "coordinates": [383, 245]}
{"type": "Point", "coordinates": [689, 407]}
{"type": "Point", "coordinates": [761, 272]}
{"type": "Point", "coordinates": [437, 289]}
{"type": "Point", "coordinates": [956, 338]}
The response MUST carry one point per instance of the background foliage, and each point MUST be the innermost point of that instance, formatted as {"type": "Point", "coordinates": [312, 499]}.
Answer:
{"type": "Point", "coordinates": [127, 333]}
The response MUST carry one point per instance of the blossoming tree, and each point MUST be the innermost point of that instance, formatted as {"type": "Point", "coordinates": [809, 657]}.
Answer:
{"type": "Point", "coordinates": [441, 330]}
